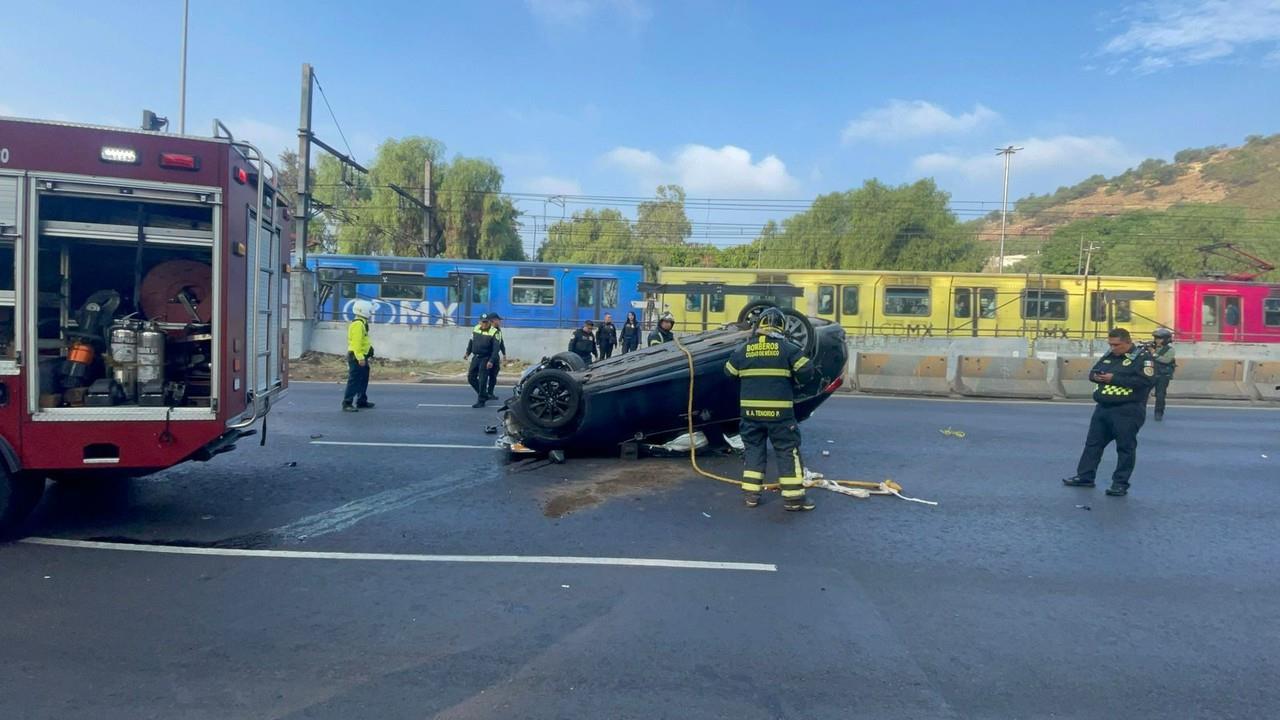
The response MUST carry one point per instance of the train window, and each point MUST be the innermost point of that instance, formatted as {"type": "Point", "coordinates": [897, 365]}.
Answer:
{"type": "Point", "coordinates": [693, 302]}
{"type": "Point", "coordinates": [826, 300]}
{"type": "Point", "coordinates": [782, 302]}
{"type": "Point", "coordinates": [586, 292]}
{"type": "Point", "coordinates": [609, 292]}
{"type": "Point", "coordinates": [906, 301]}
{"type": "Point", "coordinates": [401, 291]}
{"type": "Point", "coordinates": [987, 303]}
{"type": "Point", "coordinates": [479, 285]}
{"type": "Point", "coordinates": [849, 300]}
{"type": "Point", "coordinates": [533, 291]}
{"type": "Point", "coordinates": [1271, 312]}
{"type": "Point", "coordinates": [1044, 304]}
{"type": "Point", "coordinates": [1098, 308]}
{"type": "Point", "coordinates": [717, 303]}
{"type": "Point", "coordinates": [962, 306]}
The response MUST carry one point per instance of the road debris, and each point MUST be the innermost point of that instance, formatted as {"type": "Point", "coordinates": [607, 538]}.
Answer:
{"type": "Point", "coordinates": [952, 433]}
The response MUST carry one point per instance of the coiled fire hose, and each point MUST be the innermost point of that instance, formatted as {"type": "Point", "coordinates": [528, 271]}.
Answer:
{"type": "Point", "coordinates": [856, 488]}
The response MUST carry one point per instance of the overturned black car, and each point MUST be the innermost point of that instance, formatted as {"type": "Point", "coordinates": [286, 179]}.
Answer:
{"type": "Point", "coordinates": [643, 395]}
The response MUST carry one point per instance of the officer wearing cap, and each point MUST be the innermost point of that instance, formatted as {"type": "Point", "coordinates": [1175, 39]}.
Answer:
{"type": "Point", "coordinates": [769, 367]}
{"type": "Point", "coordinates": [359, 352]}
{"type": "Point", "coordinates": [1123, 379]}
{"type": "Point", "coordinates": [1166, 364]}
{"type": "Point", "coordinates": [483, 351]}
{"type": "Point", "coordinates": [662, 333]}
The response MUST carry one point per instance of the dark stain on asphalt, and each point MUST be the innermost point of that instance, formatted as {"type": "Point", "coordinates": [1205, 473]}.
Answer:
{"type": "Point", "coordinates": [606, 483]}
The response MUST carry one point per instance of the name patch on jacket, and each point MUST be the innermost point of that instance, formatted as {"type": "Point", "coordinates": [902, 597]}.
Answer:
{"type": "Point", "coordinates": [763, 349]}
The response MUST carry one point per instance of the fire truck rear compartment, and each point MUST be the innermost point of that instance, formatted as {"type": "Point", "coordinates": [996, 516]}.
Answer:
{"type": "Point", "coordinates": [124, 320]}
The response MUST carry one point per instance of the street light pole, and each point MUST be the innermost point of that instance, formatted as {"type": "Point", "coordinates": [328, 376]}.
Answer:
{"type": "Point", "coordinates": [182, 84]}
{"type": "Point", "coordinates": [1007, 152]}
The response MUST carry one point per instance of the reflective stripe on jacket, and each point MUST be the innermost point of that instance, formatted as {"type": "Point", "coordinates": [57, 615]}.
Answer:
{"type": "Point", "coordinates": [768, 368]}
{"type": "Point", "coordinates": [1132, 373]}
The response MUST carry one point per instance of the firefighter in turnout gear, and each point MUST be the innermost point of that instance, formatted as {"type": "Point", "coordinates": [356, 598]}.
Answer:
{"type": "Point", "coordinates": [1123, 379]}
{"type": "Point", "coordinates": [662, 333]}
{"type": "Point", "coordinates": [769, 366]}
{"type": "Point", "coordinates": [359, 353]}
{"type": "Point", "coordinates": [1163, 355]}
{"type": "Point", "coordinates": [483, 351]}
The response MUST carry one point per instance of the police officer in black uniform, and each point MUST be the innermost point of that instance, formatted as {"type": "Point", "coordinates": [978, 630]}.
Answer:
{"type": "Point", "coordinates": [583, 342]}
{"type": "Point", "coordinates": [483, 350]}
{"type": "Point", "coordinates": [1124, 377]}
{"type": "Point", "coordinates": [1166, 364]}
{"type": "Point", "coordinates": [495, 329]}
{"type": "Point", "coordinates": [769, 367]}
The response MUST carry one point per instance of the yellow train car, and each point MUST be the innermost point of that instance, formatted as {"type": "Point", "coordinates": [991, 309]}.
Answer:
{"type": "Point", "coordinates": [937, 304]}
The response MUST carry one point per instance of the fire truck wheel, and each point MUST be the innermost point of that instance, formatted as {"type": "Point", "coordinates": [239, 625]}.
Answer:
{"type": "Point", "coordinates": [19, 495]}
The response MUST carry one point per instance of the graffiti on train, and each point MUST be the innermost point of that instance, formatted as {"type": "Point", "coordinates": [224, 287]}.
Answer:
{"type": "Point", "coordinates": [408, 312]}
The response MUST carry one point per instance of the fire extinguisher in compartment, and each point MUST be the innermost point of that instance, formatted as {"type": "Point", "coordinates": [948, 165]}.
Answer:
{"type": "Point", "coordinates": [151, 364]}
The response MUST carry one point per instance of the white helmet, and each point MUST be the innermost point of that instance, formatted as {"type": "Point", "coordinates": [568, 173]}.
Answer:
{"type": "Point", "coordinates": [362, 309]}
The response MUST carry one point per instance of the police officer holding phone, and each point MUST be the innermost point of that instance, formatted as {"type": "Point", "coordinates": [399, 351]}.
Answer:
{"type": "Point", "coordinates": [1123, 379]}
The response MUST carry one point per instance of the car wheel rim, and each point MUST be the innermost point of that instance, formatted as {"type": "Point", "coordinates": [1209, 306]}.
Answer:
{"type": "Point", "coordinates": [549, 400]}
{"type": "Point", "coordinates": [796, 331]}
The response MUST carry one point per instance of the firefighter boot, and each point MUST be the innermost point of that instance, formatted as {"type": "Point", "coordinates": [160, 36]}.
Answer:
{"type": "Point", "coordinates": [752, 499]}
{"type": "Point", "coordinates": [1118, 489]}
{"type": "Point", "coordinates": [798, 504]}
{"type": "Point", "coordinates": [348, 407]}
{"type": "Point", "coordinates": [1077, 481]}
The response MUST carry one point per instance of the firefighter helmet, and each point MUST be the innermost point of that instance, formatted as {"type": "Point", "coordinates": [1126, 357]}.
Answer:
{"type": "Point", "coordinates": [771, 322]}
{"type": "Point", "coordinates": [1163, 333]}
{"type": "Point", "coordinates": [667, 317]}
{"type": "Point", "coordinates": [362, 309]}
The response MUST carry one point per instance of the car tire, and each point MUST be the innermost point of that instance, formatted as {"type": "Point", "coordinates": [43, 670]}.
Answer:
{"type": "Point", "coordinates": [567, 361]}
{"type": "Point", "coordinates": [800, 331]}
{"type": "Point", "coordinates": [550, 399]}
{"type": "Point", "coordinates": [19, 495]}
{"type": "Point", "coordinates": [752, 311]}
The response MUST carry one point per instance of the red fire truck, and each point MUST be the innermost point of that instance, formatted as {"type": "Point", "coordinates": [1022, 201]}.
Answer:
{"type": "Point", "coordinates": [143, 301]}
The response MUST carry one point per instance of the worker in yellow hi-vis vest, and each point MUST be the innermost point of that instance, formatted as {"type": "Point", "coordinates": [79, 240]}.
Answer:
{"type": "Point", "coordinates": [359, 354]}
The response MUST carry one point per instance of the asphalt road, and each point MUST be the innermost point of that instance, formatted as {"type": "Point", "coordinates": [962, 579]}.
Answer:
{"type": "Point", "coordinates": [1014, 598]}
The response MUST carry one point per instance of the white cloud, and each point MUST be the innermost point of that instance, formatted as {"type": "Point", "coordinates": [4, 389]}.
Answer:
{"type": "Point", "coordinates": [271, 139]}
{"type": "Point", "coordinates": [551, 185]}
{"type": "Point", "coordinates": [572, 12]}
{"type": "Point", "coordinates": [901, 119]}
{"type": "Point", "coordinates": [1169, 33]}
{"type": "Point", "coordinates": [1058, 159]}
{"type": "Point", "coordinates": [703, 170]}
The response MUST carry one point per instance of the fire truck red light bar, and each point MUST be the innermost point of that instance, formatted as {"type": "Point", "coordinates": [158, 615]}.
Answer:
{"type": "Point", "coordinates": [178, 161]}
{"type": "Point", "coordinates": [122, 155]}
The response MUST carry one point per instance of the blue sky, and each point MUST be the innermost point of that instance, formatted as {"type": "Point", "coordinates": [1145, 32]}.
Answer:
{"type": "Point", "coordinates": [742, 100]}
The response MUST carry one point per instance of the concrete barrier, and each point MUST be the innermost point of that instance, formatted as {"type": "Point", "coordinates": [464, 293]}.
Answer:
{"type": "Point", "coordinates": [1206, 378]}
{"type": "Point", "coordinates": [1264, 376]}
{"type": "Point", "coordinates": [901, 374]}
{"type": "Point", "coordinates": [1004, 377]}
{"type": "Point", "coordinates": [1073, 377]}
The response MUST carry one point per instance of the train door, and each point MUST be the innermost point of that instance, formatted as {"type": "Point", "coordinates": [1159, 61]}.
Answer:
{"type": "Point", "coordinates": [596, 296]}
{"type": "Point", "coordinates": [973, 311]}
{"type": "Point", "coordinates": [1220, 317]}
{"type": "Point", "coordinates": [839, 304]}
{"type": "Point", "coordinates": [470, 299]}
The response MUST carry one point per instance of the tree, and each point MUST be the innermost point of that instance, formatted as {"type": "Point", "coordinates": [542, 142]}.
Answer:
{"type": "Point", "coordinates": [662, 221]}
{"type": "Point", "coordinates": [476, 221]}
{"type": "Point", "coordinates": [320, 236]}
{"type": "Point", "coordinates": [593, 236]}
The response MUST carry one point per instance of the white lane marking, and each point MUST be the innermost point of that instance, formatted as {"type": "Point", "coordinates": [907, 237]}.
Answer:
{"type": "Point", "coordinates": [406, 445]}
{"type": "Point", "coordinates": [348, 514]}
{"type": "Point", "coordinates": [1014, 401]}
{"type": "Point", "coordinates": [442, 405]}
{"type": "Point", "coordinates": [497, 559]}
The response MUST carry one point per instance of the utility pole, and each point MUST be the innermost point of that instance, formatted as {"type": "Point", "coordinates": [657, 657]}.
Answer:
{"type": "Point", "coordinates": [302, 214]}
{"type": "Point", "coordinates": [1007, 152]}
{"type": "Point", "coordinates": [182, 82]}
{"type": "Point", "coordinates": [306, 138]}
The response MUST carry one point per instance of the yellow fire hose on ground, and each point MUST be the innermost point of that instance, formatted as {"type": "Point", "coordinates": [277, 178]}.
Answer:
{"type": "Point", "coordinates": [856, 488]}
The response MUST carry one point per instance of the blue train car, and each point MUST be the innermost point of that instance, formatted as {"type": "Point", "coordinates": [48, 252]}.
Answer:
{"type": "Point", "coordinates": [526, 294]}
